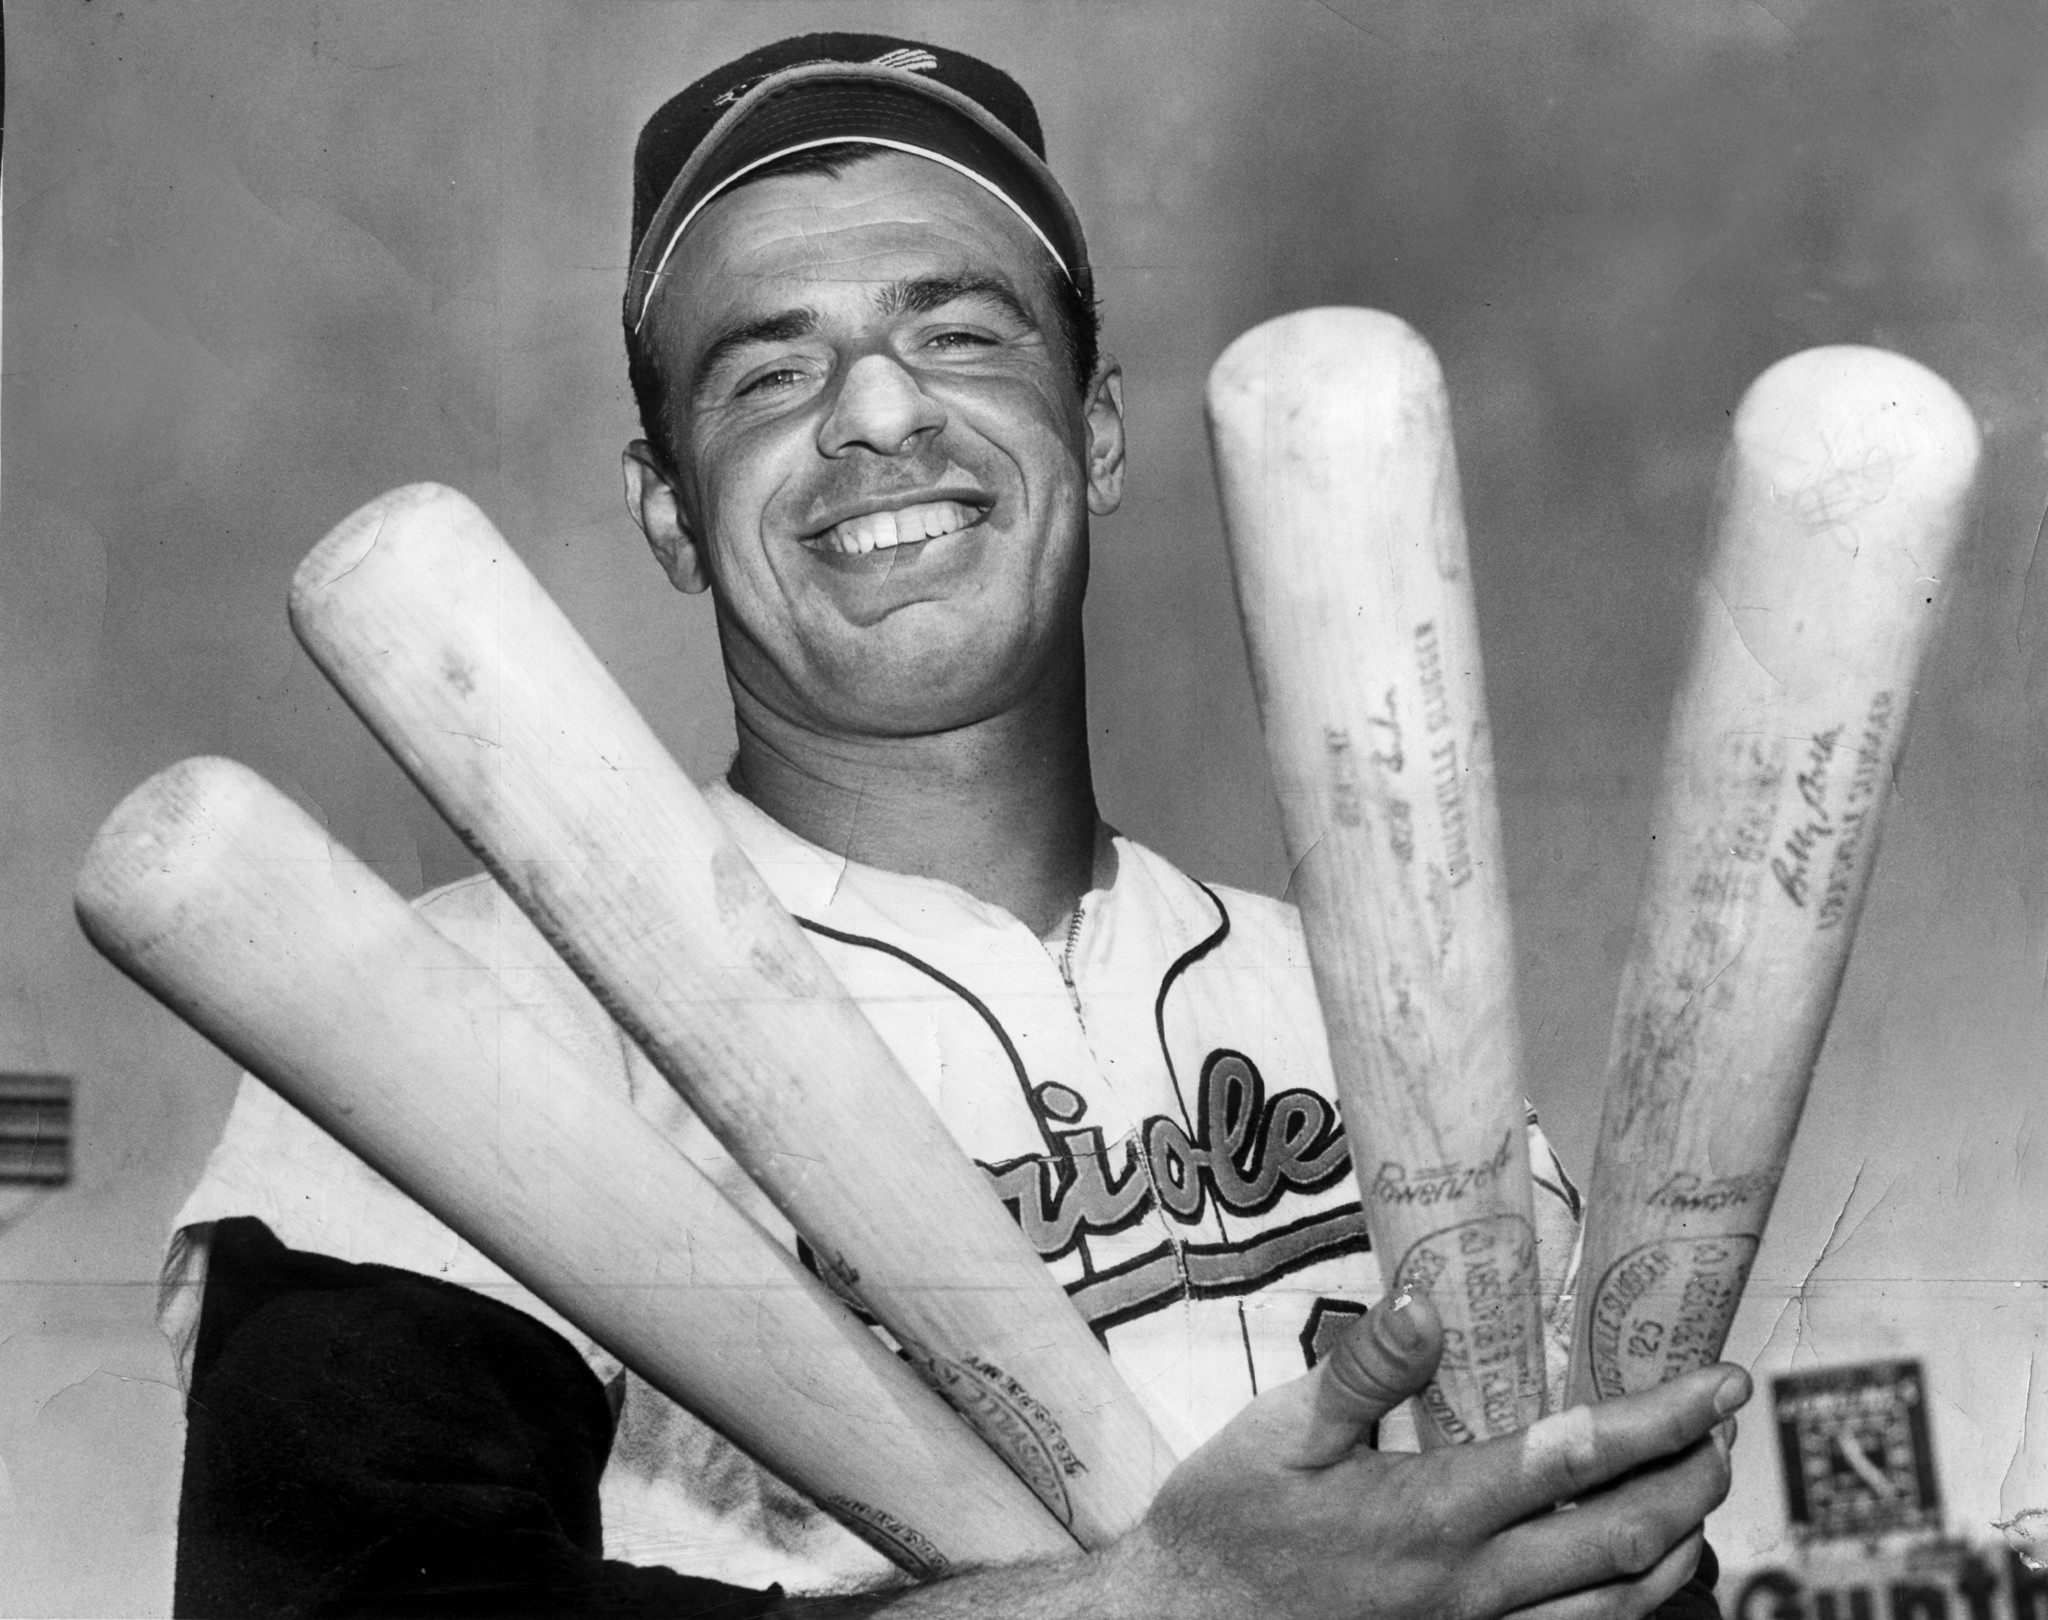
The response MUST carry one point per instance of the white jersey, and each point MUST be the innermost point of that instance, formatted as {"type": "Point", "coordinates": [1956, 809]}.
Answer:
{"type": "Point", "coordinates": [1150, 1093]}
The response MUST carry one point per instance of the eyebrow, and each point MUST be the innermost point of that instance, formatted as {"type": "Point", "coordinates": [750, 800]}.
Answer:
{"type": "Point", "coordinates": [921, 294]}
{"type": "Point", "coordinates": [918, 295]}
{"type": "Point", "coordinates": [777, 328]}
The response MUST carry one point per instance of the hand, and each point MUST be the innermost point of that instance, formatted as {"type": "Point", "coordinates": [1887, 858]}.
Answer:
{"type": "Point", "coordinates": [1287, 1513]}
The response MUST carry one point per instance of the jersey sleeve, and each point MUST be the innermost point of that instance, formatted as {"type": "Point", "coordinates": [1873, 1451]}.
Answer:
{"type": "Point", "coordinates": [362, 1440]}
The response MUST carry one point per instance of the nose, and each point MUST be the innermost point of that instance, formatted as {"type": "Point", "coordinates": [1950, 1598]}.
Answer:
{"type": "Point", "coordinates": [879, 407]}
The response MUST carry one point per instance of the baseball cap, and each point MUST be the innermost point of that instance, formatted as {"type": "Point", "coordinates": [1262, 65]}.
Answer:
{"type": "Point", "coordinates": [831, 89]}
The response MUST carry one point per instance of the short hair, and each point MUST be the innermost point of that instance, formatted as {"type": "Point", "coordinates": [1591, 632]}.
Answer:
{"type": "Point", "coordinates": [1080, 318]}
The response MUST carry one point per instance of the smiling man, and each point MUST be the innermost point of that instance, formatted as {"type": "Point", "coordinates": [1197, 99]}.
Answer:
{"type": "Point", "coordinates": [877, 430]}
{"type": "Point", "coordinates": [860, 325]}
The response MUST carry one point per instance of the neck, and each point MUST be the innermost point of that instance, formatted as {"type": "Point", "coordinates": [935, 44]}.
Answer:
{"type": "Point", "coordinates": [1003, 808]}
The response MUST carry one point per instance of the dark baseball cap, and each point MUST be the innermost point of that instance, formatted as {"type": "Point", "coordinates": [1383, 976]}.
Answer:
{"type": "Point", "coordinates": [832, 89]}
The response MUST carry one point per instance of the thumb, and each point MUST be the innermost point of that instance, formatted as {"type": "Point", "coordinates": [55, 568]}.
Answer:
{"type": "Point", "coordinates": [1386, 1357]}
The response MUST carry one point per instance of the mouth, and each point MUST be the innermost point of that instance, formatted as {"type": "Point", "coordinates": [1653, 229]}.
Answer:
{"type": "Point", "coordinates": [897, 526]}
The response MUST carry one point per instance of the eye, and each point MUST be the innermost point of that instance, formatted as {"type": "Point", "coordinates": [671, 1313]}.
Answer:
{"type": "Point", "coordinates": [960, 337]}
{"type": "Point", "coordinates": [771, 380]}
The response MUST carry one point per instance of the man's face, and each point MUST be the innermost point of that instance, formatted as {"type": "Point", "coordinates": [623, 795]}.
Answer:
{"type": "Point", "coordinates": [882, 462]}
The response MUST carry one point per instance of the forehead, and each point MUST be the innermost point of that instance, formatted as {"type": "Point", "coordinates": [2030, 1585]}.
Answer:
{"type": "Point", "coordinates": [804, 238]}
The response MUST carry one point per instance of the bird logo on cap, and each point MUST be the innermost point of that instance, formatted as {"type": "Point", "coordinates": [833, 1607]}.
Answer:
{"type": "Point", "coordinates": [909, 59]}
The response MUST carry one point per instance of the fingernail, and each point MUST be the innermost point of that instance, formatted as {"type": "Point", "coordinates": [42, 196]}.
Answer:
{"type": "Point", "coordinates": [1401, 1324]}
{"type": "Point", "coordinates": [1733, 1392]}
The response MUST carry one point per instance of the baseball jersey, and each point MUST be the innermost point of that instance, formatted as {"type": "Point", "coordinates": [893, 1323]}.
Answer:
{"type": "Point", "coordinates": [1149, 1091]}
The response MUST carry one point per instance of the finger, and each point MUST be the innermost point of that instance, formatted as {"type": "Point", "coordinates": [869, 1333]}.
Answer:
{"type": "Point", "coordinates": [1619, 1535]}
{"type": "Point", "coordinates": [1566, 1455]}
{"type": "Point", "coordinates": [1383, 1359]}
{"type": "Point", "coordinates": [1623, 1600]}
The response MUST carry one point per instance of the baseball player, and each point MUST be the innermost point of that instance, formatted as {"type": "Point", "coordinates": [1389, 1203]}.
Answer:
{"type": "Point", "coordinates": [860, 326]}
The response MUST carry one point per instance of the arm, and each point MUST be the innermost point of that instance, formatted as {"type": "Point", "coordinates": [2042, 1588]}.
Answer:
{"type": "Point", "coordinates": [1287, 1514]}
{"type": "Point", "coordinates": [367, 1441]}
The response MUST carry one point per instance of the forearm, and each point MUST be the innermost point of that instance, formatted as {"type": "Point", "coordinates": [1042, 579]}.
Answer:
{"type": "Point", "coordinates": [1131, 1581]}
{"type": "Point", "coordinates": [1136, 1580]}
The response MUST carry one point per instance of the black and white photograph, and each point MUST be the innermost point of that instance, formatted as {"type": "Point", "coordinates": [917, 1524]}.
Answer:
{"type": "Point", "coordinates": [1156, 808]}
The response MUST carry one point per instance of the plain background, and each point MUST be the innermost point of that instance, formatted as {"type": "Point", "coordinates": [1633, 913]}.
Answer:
{"type": "Point", "coordinates": [267, 259]}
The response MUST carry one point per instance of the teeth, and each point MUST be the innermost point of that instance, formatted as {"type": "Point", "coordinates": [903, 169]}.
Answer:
{"type": "Point", "coordinates": [878, 531]}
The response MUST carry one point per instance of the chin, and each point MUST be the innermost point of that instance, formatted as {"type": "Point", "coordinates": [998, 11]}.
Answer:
{"type": "Point", "coordinates": [899, 714]}
{"type": "Point", "coordinates": [929, 694]}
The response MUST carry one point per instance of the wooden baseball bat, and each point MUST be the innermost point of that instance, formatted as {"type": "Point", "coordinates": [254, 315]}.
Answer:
{"type": "Point", "coordinates": [1340, 501]}
{"type": "Point", "coordinates": [231, 905]}
{"type": "Point", "coordinates": [449, 649]}
{"type": "Point", "coordinates": [1844, 493]}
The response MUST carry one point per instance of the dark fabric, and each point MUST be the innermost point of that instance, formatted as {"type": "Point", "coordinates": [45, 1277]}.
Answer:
{"type": "Point", "coordinates": [365, 1441]}
{"type": "Point", "coordinates": [1695, 1600]}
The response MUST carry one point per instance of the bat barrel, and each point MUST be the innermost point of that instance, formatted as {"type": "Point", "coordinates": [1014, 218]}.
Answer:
{"type": "Point", "coordinates": [233, 907]}
{"type": "Point", "coordinates": [1844, 494]}
{"type": "Point", "coordinates": [1340, 498]}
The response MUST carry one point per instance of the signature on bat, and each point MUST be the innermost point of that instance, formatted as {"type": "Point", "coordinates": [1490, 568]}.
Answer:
{"type": "Point", "coordinates": [1693, 1193]}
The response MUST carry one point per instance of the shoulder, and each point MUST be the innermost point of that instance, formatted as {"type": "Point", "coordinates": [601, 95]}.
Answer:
{"type": "Point", "coordinates": [480, 917]}
{"type": "Point", "coordinates": [1262, 926]}
{"type": "Point", "coordinates": [476, 896]}
{"type": "Point", "coordinates": [1255, 929]}
{"type": "Point", "coordinates": [471, 910]}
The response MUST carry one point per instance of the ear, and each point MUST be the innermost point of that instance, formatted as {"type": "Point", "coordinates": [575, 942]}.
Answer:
{"type": "Point", "coordinates": [1105, 416]}
{"type": "Point", "coordinates": [652, 500]}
